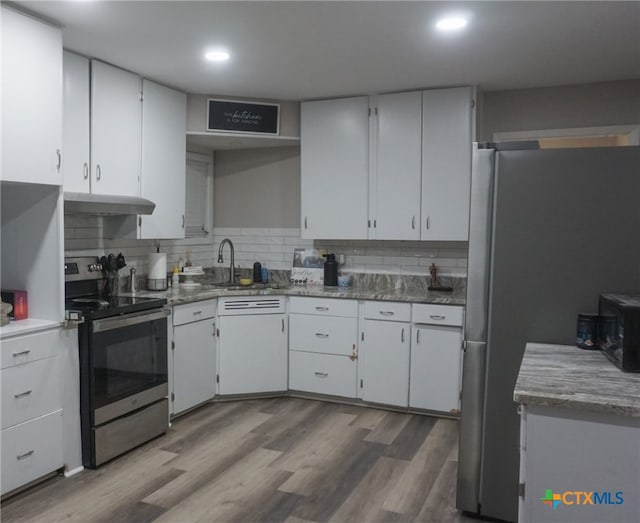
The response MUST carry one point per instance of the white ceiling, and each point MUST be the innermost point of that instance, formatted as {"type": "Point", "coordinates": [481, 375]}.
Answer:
{"type": "Point", "coordinates": [308, 49]}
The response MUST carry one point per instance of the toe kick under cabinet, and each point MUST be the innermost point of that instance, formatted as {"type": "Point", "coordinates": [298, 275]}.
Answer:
{"type": "Point", "coordinates": [31, 409]}
{"type": "Point", "coordinates": [323, 341]}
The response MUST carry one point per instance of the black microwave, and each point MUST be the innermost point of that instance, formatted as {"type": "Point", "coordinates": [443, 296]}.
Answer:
{"type": "Point", "coordinates": [619, 330]}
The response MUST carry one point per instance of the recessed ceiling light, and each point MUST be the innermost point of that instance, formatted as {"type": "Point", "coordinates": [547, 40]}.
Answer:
{"type": "Point", "coordinates": [451, 23]}
{"type": "Point", "coordinates": [217, 55]}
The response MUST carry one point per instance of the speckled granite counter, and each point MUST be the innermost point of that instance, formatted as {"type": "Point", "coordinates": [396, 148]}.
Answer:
{"type": "Point", "coordinates": [206, 291]}
{"type": "Point", "coordinates": [569, 377]}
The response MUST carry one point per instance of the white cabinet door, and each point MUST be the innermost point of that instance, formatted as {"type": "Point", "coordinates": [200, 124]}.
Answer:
{"type": "Point", "coordinates": [194, 364]}
{"type": "Point", "coordinates": [75, 165]}
{"type": "Point", "coordinates": [385, 361]}
{"type": "Point", "coordinates": [446, 163]}
{"type": "Point", "coordinates": [334, 168]}
{"type": "Point", "coordinates": [31, 100]}
{"type": "Point", "coordinates": [397, 168]}
{"type": "Point", "coordinates": [435, 368]}
{"type": "Point", "coordinates": [253, 353]}
{"type": "Point", "coordinates": [116, 127]}
{"type": "Point", "coordinates": [164, 120]}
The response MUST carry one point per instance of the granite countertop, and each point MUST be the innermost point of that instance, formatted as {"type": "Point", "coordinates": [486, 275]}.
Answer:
{"type": "Point", "coordinates": [574, 378]}
{"type": "Point", "coordinates": [207, 291]}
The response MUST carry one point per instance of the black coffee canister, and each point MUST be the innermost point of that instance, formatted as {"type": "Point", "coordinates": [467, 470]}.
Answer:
{"type": "Point", "coordinates": [257, 272]}
{"type": "Point", "coordinates": [587, 330]}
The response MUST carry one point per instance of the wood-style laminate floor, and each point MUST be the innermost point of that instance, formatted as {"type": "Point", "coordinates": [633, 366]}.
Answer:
{"type": "Point", "coordinates": [275, 460]}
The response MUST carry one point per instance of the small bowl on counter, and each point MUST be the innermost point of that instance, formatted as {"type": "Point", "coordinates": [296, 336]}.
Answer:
{"type": "Point", "coordinates": [344, 280]}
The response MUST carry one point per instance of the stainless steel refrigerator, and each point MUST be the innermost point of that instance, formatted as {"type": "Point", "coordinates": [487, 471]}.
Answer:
{"type": "Point", "coordinates": [550, 231]}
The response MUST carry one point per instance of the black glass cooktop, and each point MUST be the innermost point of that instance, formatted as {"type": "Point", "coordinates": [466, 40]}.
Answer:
{"type": "Point", "coordinates": [93, 307]}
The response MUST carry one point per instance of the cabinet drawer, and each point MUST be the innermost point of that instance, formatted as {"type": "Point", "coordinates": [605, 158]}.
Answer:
{"type": "Point", "coordinates": [385, 310]}
{"type": "Point", "coordinates": [31, 450]}
{"type": "Point", "coordinates": [32, 347]}
{"type": "Point", "coordinates": [437, 314]}
{"type": "Point", "coordinates": [323, 306]}
{"type": "Point", "coordinates": [196, 311]}
{"type": "Point", "coordinates": [322, 374]}
{"type": "Point", "coordinates": [327, 335]}
{"type": "Point", "coordinates": [29, 391]}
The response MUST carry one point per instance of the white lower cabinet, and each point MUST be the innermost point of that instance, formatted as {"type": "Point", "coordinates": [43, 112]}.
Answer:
{"type": "Point", "coordinates": [323, 349]}
{"type": "Point", "coordinates": [31, 415]}
{"type": "Point", "coordinates": [31, 450]}
{"type": "Point", "coordinates": [194, 355]}
{"type": "Point", "coordinates": [435, 368]}
{"type": "Point", "coordinates": [252, 345]}
{"type": "Point", "coordinates": [322, 373]}
{"type": "Point", "coordinates": [385, 352]}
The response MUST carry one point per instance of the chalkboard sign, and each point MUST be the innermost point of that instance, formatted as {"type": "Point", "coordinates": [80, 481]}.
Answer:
{"type": "Point", "coordinates": [243, 117]}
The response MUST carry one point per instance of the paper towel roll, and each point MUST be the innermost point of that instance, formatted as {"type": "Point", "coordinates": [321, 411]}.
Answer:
{"type": "Point", "coordinates": [157, 266]}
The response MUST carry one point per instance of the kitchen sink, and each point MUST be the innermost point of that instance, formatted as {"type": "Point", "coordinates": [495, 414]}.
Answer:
{"type": "Point", "coordinates": [237, 287]}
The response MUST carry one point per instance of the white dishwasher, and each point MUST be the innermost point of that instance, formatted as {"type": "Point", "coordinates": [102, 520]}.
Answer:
{"type": "Point", "coordinates": [252, 345]}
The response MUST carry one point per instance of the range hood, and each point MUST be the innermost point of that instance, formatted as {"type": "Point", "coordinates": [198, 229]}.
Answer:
{"type": "Point", "coordinates": [106, 204]}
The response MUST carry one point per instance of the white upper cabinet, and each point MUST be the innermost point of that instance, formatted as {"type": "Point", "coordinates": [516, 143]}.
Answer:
{"type": "Point", "coordinates": [446, 163]}
{"type": "Point", "coordinates": [31, 100]}
{"type": "Point", "coordinates": [76, 162]}
{"type": "Point", "coordinates": [334, 168]}
{"type": "Point", "coordinates": [164, 116]}
{"type": "Point", "coordinates": [394, 212]}
{"type": "Point", "coordinates": [116, 126]}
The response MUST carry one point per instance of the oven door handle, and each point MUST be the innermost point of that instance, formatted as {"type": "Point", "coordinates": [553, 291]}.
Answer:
{"type": "Point", "coordinates": [128, 320]}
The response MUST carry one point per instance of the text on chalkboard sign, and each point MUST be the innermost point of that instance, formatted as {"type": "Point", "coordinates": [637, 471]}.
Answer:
{"type": "Point", "coordinates": [243, 117]}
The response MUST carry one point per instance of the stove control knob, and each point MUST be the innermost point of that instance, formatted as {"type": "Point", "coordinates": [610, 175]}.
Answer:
{"type": "Point", "coordinates": [93, 267]}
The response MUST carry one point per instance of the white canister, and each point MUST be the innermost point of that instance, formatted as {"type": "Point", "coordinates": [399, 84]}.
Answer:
{"type": "Point", "coordinates": [157, 278]}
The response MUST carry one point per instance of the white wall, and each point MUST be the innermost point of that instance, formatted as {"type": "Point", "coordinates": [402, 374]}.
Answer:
{"type": "Point", "coordinates": [562, 107]}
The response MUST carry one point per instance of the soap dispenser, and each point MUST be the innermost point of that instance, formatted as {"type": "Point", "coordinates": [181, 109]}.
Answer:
{"type": "Point", "coordinates": [330, 270]}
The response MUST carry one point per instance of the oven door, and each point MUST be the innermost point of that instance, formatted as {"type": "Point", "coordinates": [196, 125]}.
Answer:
{"type": "Point", "coordinates": [127, 363]}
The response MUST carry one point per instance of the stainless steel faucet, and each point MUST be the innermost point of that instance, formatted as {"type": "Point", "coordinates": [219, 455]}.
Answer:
{"type": "Point", "coordinates": [232, 270]}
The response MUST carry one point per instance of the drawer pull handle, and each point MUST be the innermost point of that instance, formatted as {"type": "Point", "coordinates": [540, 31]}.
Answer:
{"type": "Point", "coordinates": [324, 309]}
{"type": "Point", "coordinates": [21, 353]}
{"type": "Point", "coordinates": [402, 335]}
{"type": "Point", "coordinates": [25, 455]}
{"type": "Point", "coordinates": [282, 324]}
{"type": "Point", "coordinates": [195, 313]}
{"type": "Point", "coordinates": [321, 374]}
{"type": "Point", "coordinates": [322, 335]}
{"type": "Point", "coordinates": [387, 313]}
{"type": "Point", "coordinates": [439, 317]}
{"type": "Point", "coordinates": [23, 394]}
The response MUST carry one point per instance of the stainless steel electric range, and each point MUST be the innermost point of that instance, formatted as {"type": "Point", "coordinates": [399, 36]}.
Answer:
{"type": "Point", "coordinates": [123, 363]}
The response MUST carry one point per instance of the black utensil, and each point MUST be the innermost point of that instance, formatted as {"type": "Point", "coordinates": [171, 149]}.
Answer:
{"type": "Point", "coordinates": [120, 262]}
{"type": "Point", "coordinates": [103, 262]}
{"type": "Point", "coordinates": [111, 262]}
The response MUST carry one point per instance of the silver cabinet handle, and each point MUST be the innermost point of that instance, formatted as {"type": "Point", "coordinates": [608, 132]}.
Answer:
{"type": "Point", "coordinates": [85, 170]}
{"type": "Point", "coordinates": [59, 164]}
{"type": "Point", "coordinates": [369, 224]}
{"type": "Point", "coordinates": [427, 222]}
{"type": "Point", "coordinates": [413, 222]}
{"type": "Point", "coordinates": [305, 222]}
{"type": "Point", "coordinates": [25, 455]}
{"type": "Point", "coordinates": [402, 335]}
{"type": "Point", "coordinates": [418, 336]}
{"type": "Point", "coordinates": [438, 317]}
{"type": "Point", "coordinates": [196, 313]}
{"type": "Point", "coordinates": [324, 309]}
{"type": "Point", "coordinates": [282, 324]}
{"type": "Point", "coordinates": [375, 223]}
{"type": "Point", "coordinates": [21, 353]}
{"type": "Point", "coordinates": [387, 313]}
{"type": "Point", "coordinates": [98, 172]}
{"type": "Point", "coordinates": [23, 394]}
{"type": "Point", "coordinates": [183, 221]}
{"type": "Point", "coordinates": [322, 335]}
{"type": "Point", "coordinates": [321, 374]}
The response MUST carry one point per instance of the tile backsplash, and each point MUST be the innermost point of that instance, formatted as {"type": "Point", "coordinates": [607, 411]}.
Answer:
{"type": "Point", "coordinates": [273, 247]}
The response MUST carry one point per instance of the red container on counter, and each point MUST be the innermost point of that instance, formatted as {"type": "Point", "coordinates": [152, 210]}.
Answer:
{"type": "Point", "coordinates": [18, 299]}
